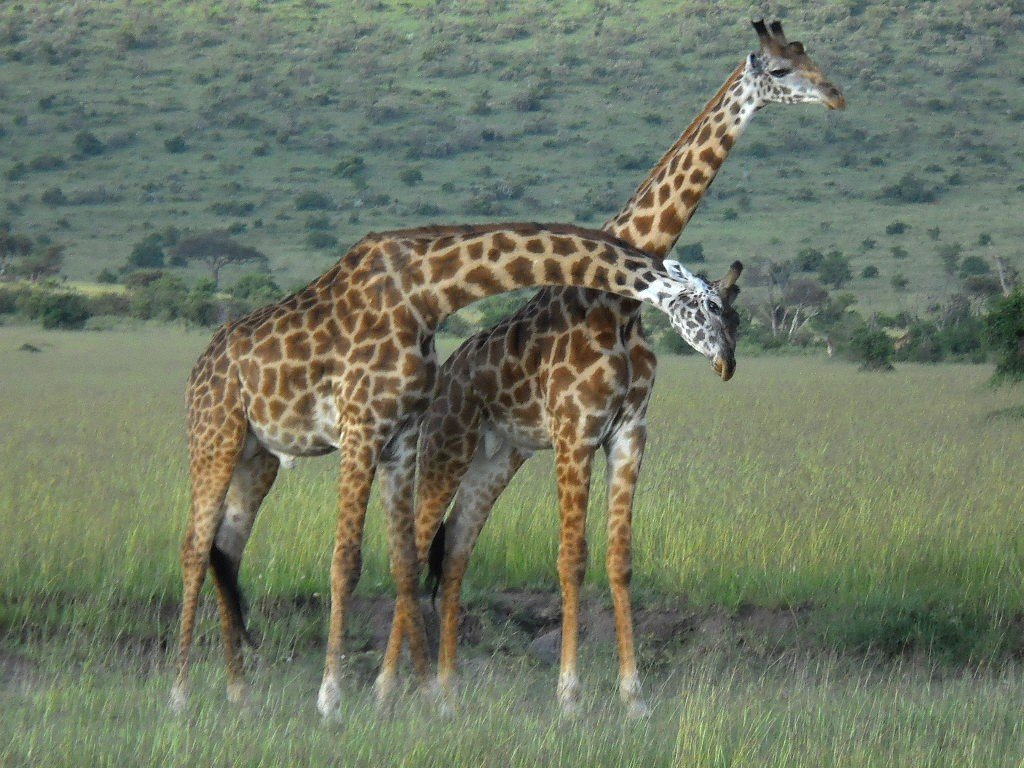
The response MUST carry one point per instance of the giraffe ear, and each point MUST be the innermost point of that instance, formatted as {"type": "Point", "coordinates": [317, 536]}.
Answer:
{"type": "Point", "coordinates": [678, 271]}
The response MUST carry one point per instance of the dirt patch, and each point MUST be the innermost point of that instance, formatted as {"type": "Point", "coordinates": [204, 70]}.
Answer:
{"type": "Point", "coordinates": [16, 671]}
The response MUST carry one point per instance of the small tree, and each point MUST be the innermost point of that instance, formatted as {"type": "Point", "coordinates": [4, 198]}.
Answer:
{"type": "Point", "coordinates": [217, 250]}
{"type": "Point", "coordinates": [872, 348]}
{"type": "Point", "coordinates": [1004, 329]}
{"type": "Point", "coordinates": [148, 253]}
{"type": "Point", "coordinates": [834, 269]}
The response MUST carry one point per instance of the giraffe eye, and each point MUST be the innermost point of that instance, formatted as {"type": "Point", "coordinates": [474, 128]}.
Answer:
{"type": "Point", "coordinates": [715, 307]}
{"type": "Point", "coordinates": [781, 72]}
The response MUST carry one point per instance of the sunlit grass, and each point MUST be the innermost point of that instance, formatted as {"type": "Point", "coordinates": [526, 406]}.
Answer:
{"type": "Point", "coordinates": [887, 503]}
{"type": "Point", "coordinates": [881, 499]}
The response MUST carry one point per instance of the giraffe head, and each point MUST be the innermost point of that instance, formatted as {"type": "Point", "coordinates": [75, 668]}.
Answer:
{"type": "Point", "coordinates": [702, 314]}
{"type": "Point", "coordinates": [782, 72]}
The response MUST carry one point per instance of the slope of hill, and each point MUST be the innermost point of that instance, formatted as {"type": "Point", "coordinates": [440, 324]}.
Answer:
{"type": "Point", "coordinates": [303, 125]}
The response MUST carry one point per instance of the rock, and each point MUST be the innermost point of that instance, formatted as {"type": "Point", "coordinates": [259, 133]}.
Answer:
{"type": "Point", "coordinates": [547, 648]}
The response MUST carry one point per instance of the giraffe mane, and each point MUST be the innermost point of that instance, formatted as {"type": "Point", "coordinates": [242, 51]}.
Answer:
{"type": "Point", "coordinates": [687, 135]}
{"type": "Point", "coordinates": [435, 232]}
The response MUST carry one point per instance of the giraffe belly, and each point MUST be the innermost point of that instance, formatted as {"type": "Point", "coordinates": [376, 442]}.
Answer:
{"type": "Point", "coordinates": [313, 433]}
{"type": "Point", "coordinates": [526, 436]}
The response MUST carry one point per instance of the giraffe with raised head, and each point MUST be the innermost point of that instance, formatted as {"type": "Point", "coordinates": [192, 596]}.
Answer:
{"type": "Point", "coordinates": [571, 371]}
{"type": "Point", "coordinates": [348, 364]}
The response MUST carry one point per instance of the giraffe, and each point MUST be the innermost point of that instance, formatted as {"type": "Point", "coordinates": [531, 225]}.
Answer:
{"type": "Point", "coordinates": [348, 364]}
{"type": "Point", "coordinates": [572, 371]}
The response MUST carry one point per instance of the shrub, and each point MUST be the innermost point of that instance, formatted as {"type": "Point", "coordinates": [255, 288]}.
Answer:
{"type": "Point", "coordinates": [835, 269]}
{"type": "Point", "coordinates": [896, 228]}
{"type": "Point", "coordinates": [176, 145]}
{"type": "Point", "coordinates": [899, 252]}
{"type": "Point", "coordinates": [410, 176]}
{"type": "Point", "coordinates": [161, 299]}
{"type": "Point", "coordinates": [1004, 331]}
{"type": "Point", "coordinates": [257, 288]}
{"type": "Point", "coordinates": [809, 260]}
{"type": "Point", "coordinates": [872, 348]}
{"type": "Point", "coordinates": [87, 144]}
{"type": "Point", "coordinates": [909, 189]}
{"type": "Point", "coordinates": [108, 303]}
{"type": "Point", "coordinates": [869, 272]}
{"type": "Point", "coordinates": [54, 196]}
{"type": "Point", "coordinates": [106, 276]}
{"type": "Point", "coordinates": [17, 171]}
{"type": "Point", "coordinates": [148, 253]}
{"type": "Point", "coordinates": [232, 208]}
{"type": "Point", "coordinates": [313, 201]}
{"type": "Point", "coordinates": [900, 281]}
{"type": "Point", "coordinates": [46, 163]}
{"type": "Point", "coordinates": [58, 310]}
{"type": "Point", "coordinates": [974, 265]}
{"type": "Point", "coordinates": [321, 240]}
{"type": "Point", "coordinates": [349, 167]}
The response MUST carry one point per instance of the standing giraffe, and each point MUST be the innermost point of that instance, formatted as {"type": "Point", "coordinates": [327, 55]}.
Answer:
{"type": "Point", "coordinates": [571, 371]}
{"type": "Point", "coordinates": [348, 364]}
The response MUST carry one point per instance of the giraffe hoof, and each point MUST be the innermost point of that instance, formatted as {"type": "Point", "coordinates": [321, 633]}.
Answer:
{"type": "Point", "coordinates": [178, 700]}
{"type": "Point", "coordinates": [383, 688]}
{"type": "Point", "coordinates": [637, 710]}
{"type": "Point", "coordinates": [443, 697]}
{"type": "Point", "coordinates": [328, 701]}
{"type": "Point", "coordinates": [569, 708]}
{"type": "Point", "coordinates": [237, 693]}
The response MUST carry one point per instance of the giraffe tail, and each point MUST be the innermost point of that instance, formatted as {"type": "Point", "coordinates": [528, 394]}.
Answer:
{"type": "Point", "coordinates": [227, 576]}
{"type": "Point", "coordinates": [435, 564]}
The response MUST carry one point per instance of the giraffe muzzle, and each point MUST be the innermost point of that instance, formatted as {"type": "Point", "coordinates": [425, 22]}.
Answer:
{"type": "Point", "coordinates": [724, 366]}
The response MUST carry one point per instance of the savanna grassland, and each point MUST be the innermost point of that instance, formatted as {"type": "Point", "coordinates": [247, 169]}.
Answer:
{"type": "Point", "coordinates": [828, 572]}
{"type": "Point", "coordinates": [829, 563]}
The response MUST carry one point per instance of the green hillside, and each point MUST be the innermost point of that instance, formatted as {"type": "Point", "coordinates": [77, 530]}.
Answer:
{"type": "Point", "coordinates": [302, 125]}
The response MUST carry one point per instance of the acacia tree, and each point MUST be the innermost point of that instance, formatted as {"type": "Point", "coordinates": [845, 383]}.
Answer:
{"type": "Point", "coordinates": [786, 310]}
{"type": "Point", "coordinates": [217, 250]}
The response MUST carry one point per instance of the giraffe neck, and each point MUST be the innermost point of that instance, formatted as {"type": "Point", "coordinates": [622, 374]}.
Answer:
{"type": "Point", "coordinates": [663, 204]}
{"type": "Point", "coordinates": [437, 271]}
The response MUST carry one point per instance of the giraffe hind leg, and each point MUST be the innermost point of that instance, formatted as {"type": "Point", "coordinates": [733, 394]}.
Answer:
{"type": "Point", "coordinates": [251, 481]}
{"type": "Point", "coordinates": [214, 452]}
{"type": "Point", "coordinates": [482, 483]}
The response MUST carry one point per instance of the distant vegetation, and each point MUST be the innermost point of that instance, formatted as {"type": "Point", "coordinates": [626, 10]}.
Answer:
{"type": "Point", "coordinates": [296, 127]}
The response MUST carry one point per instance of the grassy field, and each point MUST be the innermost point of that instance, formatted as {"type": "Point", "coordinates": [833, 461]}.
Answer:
{"type": "Point", "coordinates": [225, 113]}
{"type": "Point", "coordinates": [881, 511]}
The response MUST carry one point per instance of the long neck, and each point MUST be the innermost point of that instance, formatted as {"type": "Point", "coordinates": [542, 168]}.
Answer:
{"type": "Point", "coordinates": [437, 275]}
{"type": "Point", "coordinates": [663, 204]}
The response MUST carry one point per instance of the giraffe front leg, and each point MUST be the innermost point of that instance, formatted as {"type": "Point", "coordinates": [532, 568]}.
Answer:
{"type": "Point", "coordinates": [360, 450]}
{"type": "Point", "coordinates": [398, 475]}
{"type": "Point", "coordinates": [573, 461]}
{"type": "Point", "coordinates": [625, 453]}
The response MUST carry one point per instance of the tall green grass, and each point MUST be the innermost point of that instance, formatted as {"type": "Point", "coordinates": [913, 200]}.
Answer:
{"type": "Point", "coordinates": [886, 501]}
{"type": "Point", "coordinates": [826, 712]}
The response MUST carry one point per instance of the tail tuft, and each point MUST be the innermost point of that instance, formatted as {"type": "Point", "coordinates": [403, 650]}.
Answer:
{"type": "Point", "coordinates": [227, 577]}
{"type": "Point", "coordinates": [435, 564]}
